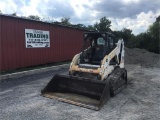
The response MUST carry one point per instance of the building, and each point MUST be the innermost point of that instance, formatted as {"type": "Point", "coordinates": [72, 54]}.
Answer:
{"type": "Point", "coordinates": [25, 42]}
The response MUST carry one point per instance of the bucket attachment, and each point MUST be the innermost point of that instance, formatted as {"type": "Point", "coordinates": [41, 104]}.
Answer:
{"type": "Point", "coordinates": [79, 91]}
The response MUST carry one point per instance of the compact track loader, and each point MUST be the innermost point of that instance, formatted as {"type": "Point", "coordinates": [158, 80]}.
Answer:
{"type": "Point", "coordinates": [95, 74]}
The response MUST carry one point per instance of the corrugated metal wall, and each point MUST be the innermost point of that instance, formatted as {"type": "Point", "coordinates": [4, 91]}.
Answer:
{"type": "Point", "coordinates": [64, 43]}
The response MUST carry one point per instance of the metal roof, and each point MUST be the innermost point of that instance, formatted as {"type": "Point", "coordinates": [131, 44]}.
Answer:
{"type": "Point", "coordinates": [23, 18]}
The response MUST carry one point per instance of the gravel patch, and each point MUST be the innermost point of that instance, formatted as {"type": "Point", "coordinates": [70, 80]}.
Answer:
{"type": "Point", "coordinates": [139, 101]}
{"type": "Point", "coordinates": [142, 57]}
{"type": "Point", "coordinates": [21, 98]}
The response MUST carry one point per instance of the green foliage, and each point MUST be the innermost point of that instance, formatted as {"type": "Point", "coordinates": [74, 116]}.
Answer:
{"type": "Point", "coordinates": [149, 40]}
{"type": "Point", "coordinates": [154, 34]}
{"type": "Point", "coordinates": [65, 21]}
{"type": "Point", "coordinates": [56, 22]}
{"type": "Point", "coordinates": [125, 34]}
{"type": "Point", "coordinates": [80, 25]}
{"type": "Point", "coordinates": [34, 17]}
{"type": "Point", "coordinates": [14, 14]}
{"type": "Point", "coordinates": [90, 27]}
{"type": "Point", "coordinates": [103, 25]}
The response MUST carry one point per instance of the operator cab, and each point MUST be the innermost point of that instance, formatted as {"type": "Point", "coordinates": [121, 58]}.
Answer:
{"type": "Point", "coordinates": [96, 47]}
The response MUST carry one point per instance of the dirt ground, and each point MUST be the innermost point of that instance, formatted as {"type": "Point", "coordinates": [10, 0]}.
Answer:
{"type": "Point", "coordinates": [20, 98]}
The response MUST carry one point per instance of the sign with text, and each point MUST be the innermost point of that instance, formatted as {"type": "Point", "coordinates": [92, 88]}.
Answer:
{"type": "Point", "coordinates": [37, 38]}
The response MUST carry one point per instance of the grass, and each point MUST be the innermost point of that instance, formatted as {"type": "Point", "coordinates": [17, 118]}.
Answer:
{"type": "Point", "coordinates": [33, 67]}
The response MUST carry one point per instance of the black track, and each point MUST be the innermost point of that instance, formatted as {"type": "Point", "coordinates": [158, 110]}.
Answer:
{"type": "Point", "coordinates": [117, 80]}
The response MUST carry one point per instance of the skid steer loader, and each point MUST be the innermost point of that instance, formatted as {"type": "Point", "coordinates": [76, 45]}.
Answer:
{"type": "Point", "coordinates": [95, 74]}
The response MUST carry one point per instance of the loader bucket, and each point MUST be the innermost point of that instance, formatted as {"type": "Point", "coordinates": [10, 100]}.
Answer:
{"type": "Point", "coordinates": [79, 91]}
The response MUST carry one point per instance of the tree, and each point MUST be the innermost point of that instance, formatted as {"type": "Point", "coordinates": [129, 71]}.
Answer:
{"type": "Point", "coordinates": [90, 27]}
{"type": "Point", "coordinates": [103, 25]}
{"type": "Point", "coordinates": [154, 33]}
{"type": "Point", "coordinates": [34, 17]}
{"type": "Point", "coordinates": [143, 41]}
{"type": "Point", "coordinates": [158, 19]}
{"type": "Point", "coordinates": [14, 14]}
{"type": "Point", "coordinates": [65, 21]}
{"type": "Point", "coordinates": [82, 26]}
{"type": "Point", "coordinates": [149, 40]}
{"type": "Point", "coordinates": [126, 34]}
{"type": "Point", "coordinates": [56, 22]}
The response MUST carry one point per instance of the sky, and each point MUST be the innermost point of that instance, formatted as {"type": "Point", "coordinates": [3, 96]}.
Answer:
{"type": "Point", "coordinates": [136, 15]}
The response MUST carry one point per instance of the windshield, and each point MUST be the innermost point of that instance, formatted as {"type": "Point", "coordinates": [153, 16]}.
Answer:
{"type": "Point", "coordinates": [100, 41]}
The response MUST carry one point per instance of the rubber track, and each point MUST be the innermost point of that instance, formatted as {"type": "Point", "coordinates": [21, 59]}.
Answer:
{"type": "Point", "coordinates": [116, 84]}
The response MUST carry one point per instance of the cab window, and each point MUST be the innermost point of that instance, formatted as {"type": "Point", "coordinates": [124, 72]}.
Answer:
{"type": "Point", "coordinates": [111, 42]}
{"type": "Point", "coordinates": [100, 41]}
